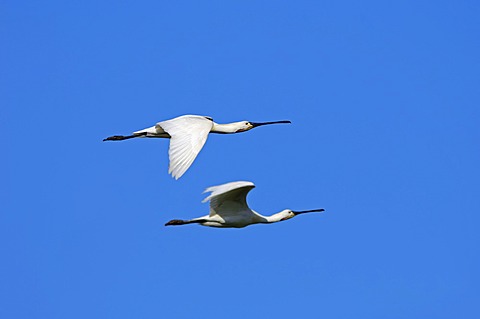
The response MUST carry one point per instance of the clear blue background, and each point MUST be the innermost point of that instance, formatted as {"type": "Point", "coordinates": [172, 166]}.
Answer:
{"type": "Point", "coordinates": [384, 99]}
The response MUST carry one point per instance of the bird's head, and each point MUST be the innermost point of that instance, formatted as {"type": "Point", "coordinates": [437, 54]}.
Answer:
{"type": "Point", "coordinates": [244, 126]}
{"type": "Point", "coordinates": [288, 213]}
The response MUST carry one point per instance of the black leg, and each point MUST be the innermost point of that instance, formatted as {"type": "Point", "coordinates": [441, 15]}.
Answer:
{"type": "Point", "coordinates": [176, 222]}
{"type": "Point", "coordinates": [121, 137]}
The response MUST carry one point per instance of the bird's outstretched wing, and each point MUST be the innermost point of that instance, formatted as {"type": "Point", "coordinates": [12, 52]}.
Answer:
{"type": "Point", "coordinates": [229, 199]}
{"type": "Point", "coordinates": [188, 135]}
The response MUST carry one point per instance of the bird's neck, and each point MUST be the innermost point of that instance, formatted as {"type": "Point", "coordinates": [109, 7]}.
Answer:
{"type": "Point", "coordinates": [274, 218]}
{"type": "Point", "coordinates": [225, 128]}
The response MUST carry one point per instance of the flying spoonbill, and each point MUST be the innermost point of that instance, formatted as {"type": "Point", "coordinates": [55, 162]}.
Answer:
{"type": "Point", "coordinates": [188, 134]}
{"type": "Point", "coordinates": [228, 208]}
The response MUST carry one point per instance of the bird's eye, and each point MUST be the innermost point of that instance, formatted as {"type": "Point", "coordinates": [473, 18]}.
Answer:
{"type": "Point", "coordinates": [248, 123]}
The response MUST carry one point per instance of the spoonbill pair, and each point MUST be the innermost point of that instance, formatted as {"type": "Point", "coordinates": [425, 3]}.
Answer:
{"type": "Point", "coordinates": [228, 202]}
{"type": "Point", "coordinates": [188, 134]}
{"type": "Point", "coordinates": [229, 209]}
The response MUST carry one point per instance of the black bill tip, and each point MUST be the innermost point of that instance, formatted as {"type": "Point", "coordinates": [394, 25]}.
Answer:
{"type": "Point", "coordinates": [255, 124]}
{"type": "Point", "coordinates": [308, 211]}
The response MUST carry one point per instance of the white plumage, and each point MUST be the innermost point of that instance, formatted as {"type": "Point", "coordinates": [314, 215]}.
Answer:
{"type": "Point", "coordinates": [229, 208]}
{"type": "Point", "coordinates": [188, 134]}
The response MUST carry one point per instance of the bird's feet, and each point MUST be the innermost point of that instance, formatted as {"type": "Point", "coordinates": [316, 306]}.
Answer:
{"type": "Point", "coordinates": [121, 137]}
{"type": "Point", "coordinates": [176, 222]}
{"type": "Point", "coordinates": [115, 138]}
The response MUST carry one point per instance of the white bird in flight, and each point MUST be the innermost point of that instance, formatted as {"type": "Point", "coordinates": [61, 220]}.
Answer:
{"type": "Point", "coordinates": [188, 134]}
{"type": "Point", "coordinates": [228, 208]}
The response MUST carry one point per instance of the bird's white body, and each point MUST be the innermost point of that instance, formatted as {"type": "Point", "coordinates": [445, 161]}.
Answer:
{"type": "Point", "coordinates": [229, 208]}
{"type": "Point", "coordinates": [188, 134]}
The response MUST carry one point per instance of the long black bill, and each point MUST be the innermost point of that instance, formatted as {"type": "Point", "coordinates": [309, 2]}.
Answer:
{"type": "Point", "coordinates": [308, 211]}
{"type": "Point", "coordinates": [266, 123]}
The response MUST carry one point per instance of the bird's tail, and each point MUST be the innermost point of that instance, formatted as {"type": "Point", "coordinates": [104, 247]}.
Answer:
{"type": "Point", "coordinates": [149, 130]}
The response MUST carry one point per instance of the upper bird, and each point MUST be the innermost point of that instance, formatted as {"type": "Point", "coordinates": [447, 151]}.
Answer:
{"type": "Point", "coordinates": [228, 208]}
{"type": "Point", "coordinates": [188, 134]}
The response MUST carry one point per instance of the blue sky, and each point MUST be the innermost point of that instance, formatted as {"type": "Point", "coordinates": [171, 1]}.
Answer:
{"type": "Point", "coordinates": [384, 103]}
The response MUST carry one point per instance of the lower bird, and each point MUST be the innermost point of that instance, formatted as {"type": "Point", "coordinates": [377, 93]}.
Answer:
{"type": "Point", "coordinates": [229, 209]}
{"type": "Point", "coordinates": [188, 134]}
